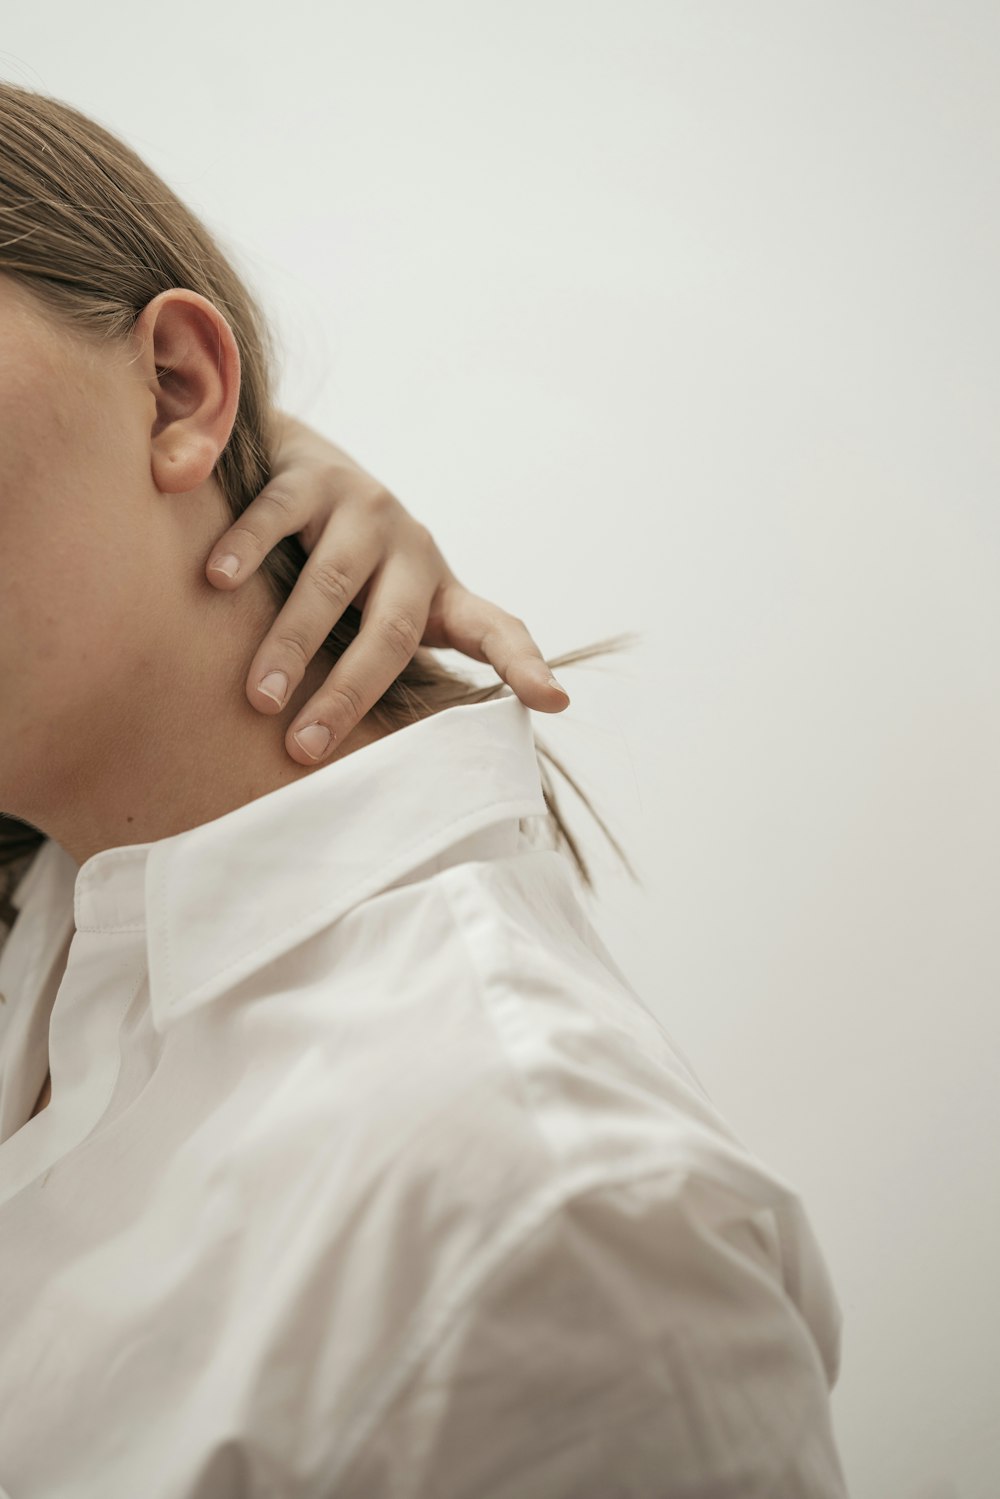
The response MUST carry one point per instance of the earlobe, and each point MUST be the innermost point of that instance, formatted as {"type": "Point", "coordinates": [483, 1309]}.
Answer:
{"type": "Point", "coordinates": [193, 373]}
{"type": "Point", "coordinates": [181, 459]}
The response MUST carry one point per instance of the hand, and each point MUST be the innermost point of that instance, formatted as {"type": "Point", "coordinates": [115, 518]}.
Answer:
{"type": "Point", "coordinates": [364, 549]}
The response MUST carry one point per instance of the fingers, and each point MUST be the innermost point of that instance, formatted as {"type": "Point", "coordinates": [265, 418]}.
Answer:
{"type": "Point", "coordinates": [265, 521]}
{"type": "Point", "coordinates": [322, 591]}
{"type": "Point", "coordinates": [473, 625]}
{"type": "Point", "coordinates": [412, 599]}
{"type": "Point", "coordinates": [391, 630]}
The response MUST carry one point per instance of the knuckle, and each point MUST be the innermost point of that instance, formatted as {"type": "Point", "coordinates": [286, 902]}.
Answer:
{"type": "Point", "coordinates": [278, 499]}
{"type": "Point", "coordinates": [485, 637]}
{"type": "Point", "coordinates": [292, 641]}
{"type": "Point", "coordinates": [401, 632]}
{"type": "Point", "coordinates": [331, 475]}
{"type": "Point", "coordinates": [498, 631]}
{"type": "Point", "coordinates": [382, 502]}
{"type": "Point", "coordinates": [345, 703]}
{"type": "Point", "coordinates": [244, 527]}
{"type": "Point", "coordinates": [334, 583]}
{"type": "Point", "coordinates": [426, 537]}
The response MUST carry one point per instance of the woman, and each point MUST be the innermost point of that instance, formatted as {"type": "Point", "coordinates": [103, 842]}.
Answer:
{"type": "Point", "coordinates": [364, 1171]}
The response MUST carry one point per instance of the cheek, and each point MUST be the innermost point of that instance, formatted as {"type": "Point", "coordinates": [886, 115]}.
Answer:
{"type": "Point", "coordinates": [76, 594]}
{"type": "Point", "coordinates": [71, 518]}
{"type": "Point", "coordinates": [72, 601]}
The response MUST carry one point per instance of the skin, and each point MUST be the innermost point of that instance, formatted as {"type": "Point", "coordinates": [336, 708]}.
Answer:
{"type": "Point", "coordinates": [122, 669]}
{"type": "Point", "coordinates": [363, 546]}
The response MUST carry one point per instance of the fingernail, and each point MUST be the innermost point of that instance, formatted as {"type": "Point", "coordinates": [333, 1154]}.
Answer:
{"type": "Point", "coordinates": [229, 565]}
{"type": "Point", "coordinates": [314, 739]}
{"type": "Point", "coordinates": [557, 685]}
{"type": "Point", "coordinates": [274, 686]}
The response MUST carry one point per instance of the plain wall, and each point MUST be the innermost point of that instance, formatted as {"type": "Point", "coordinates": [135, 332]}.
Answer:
{"type": "Point", "coordinates": [682, 318]}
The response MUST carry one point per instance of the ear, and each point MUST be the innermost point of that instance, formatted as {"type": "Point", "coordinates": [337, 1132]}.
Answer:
{"type": "Point", "coordinates": [190, 362]}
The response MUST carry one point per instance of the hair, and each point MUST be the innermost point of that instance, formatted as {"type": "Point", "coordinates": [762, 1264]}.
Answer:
{"type": "Point", "coordinates": [94, 234]}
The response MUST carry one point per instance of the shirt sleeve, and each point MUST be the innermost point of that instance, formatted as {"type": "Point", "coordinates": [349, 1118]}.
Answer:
{"type": "Point", "coordinates": [640, 1344]}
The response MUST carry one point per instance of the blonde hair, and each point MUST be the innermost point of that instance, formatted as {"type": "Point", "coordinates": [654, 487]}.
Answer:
{"type": "Point", "coordinates": [94, 234]}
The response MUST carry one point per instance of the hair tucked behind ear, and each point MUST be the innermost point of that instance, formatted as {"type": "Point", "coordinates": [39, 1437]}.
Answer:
{"type": "Point", "coordinates": [94, 234]}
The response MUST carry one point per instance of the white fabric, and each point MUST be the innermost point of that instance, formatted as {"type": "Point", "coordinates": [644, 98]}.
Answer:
{"type": "Point", "coordinates": [366, 1173]}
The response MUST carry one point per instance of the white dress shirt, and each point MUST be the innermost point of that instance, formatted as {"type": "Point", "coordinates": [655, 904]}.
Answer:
{"type": "Point", "coordinates": [367, 1175]}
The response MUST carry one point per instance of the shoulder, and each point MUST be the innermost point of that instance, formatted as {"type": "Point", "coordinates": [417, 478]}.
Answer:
{"type": "Point", "coordinates": [637, 1338]}
{"type": "Point", "coordinates": [611, 1092]}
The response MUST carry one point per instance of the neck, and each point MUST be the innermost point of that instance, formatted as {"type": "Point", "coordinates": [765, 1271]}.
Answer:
{"type": "Point", "coordinates": [180, 745]}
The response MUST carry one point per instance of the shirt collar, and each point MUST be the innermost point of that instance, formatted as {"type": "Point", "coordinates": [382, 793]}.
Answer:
{"type": "Point", "coordinates": [220, 900]}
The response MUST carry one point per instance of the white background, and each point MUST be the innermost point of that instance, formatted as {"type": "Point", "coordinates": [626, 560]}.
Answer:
{"type": "Point", "coordinates": [682, 318]}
